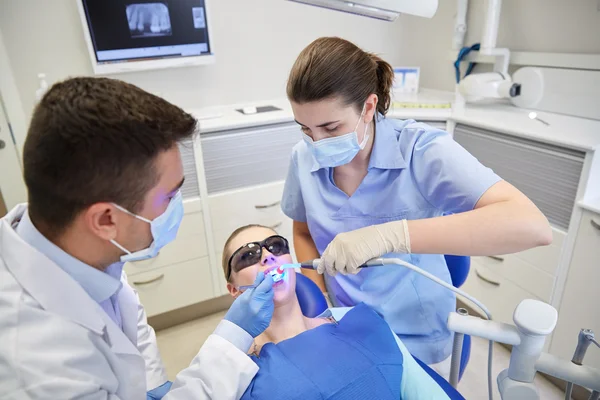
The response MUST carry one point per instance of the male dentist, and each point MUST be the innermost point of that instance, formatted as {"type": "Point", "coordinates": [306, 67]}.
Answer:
{"type": "Point", "coordinates": [103, 173]}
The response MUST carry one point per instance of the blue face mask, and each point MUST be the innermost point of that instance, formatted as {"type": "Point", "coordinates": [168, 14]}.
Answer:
{"type": "Point", "coordinates": [164, 230]}
{"type": "Point", "coordinates": [339, 150]}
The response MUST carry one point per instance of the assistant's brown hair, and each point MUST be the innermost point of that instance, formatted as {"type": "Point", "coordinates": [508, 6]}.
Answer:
{"type": "Point", "coordinates": [331, 67]}
{"type": "Point", "coordinates": [95, 140]}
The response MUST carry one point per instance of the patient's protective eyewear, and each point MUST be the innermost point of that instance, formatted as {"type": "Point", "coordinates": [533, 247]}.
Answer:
{"type": "Point", "coordinates": [251, 253]}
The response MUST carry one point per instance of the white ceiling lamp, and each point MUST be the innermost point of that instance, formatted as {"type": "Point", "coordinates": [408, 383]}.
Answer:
{"type": "Point", "coordinates": [387, 10]}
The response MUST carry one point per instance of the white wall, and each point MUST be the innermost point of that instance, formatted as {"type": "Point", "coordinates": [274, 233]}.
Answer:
{"type": "Point", "coordinates": [256, 42]}
{"type": "Point", "coordinates": [562, 26]}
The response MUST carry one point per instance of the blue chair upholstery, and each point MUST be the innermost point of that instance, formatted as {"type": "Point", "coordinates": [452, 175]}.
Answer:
{"type": "Point", "coordinates": [311, 299]}
{"type": "Point", "coordinates": [459, 267]}
{"type": "Point", "coordinates": [313, 303]}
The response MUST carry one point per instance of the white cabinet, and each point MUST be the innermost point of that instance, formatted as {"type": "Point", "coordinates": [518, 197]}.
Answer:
{"type": "Point", "coordinates": [580, 305]}
{"type": "Point", "coordinates": [502, 282]}
{"type": "Point", "coordinates": [549, 176]}
{"type": "Point", "coordinates": [174, 286]}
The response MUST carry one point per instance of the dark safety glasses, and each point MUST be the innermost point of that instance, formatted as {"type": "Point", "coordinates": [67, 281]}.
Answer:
{"type": "Point", "coordinates": [251, 253]}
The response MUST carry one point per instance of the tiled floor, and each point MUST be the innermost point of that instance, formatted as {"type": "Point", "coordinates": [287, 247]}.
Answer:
{"type": "Point", "coordinates": [179, 344]}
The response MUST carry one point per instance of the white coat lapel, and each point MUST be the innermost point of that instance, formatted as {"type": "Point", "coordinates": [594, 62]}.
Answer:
{"type": "Point", "coordinates": [55, 290]}
{"type": "Point", "coordinates": [128, 304]}
{"type": "Point", "coordinates": [47, 283]}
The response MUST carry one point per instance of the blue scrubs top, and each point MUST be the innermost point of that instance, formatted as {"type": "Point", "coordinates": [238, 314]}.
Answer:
{"type": "Point", "coordinates": [415, 171]}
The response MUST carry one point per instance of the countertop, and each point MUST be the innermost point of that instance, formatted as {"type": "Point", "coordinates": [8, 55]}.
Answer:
{"type": "Point", "coordinates": [591, 204]}
{"type": "Point", "coordinates": [571, 132]}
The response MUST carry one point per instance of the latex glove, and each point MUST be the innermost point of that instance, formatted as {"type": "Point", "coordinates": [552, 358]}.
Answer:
{"type": "Point", "coordinates": [252, 310]}
{"type": "Point", "coordinates": [348, 250]}
{"type": "Point", "coordinates": [159, 392]}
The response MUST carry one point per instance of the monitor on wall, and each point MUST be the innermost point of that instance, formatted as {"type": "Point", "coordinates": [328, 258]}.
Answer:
{"type": "Point", "coordinates": [136, 35]}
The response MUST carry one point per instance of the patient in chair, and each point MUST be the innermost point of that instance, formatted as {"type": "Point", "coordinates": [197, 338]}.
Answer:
{"type": "Point", "coordinates": [346, 353]}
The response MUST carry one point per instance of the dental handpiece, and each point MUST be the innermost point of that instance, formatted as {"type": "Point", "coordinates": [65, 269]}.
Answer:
{"type": "Point", "coordinates": [313, 264]}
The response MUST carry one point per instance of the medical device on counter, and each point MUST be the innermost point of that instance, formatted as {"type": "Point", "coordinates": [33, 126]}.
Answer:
{"type": "Point", "coordinates": [489, 85]}
{"type": "Point", "coordinates": [534, 321]}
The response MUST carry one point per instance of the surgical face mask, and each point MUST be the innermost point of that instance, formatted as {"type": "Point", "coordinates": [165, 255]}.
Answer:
{"type": "Point", "coordinates": [164, 230]}
{"type": "Point", "coordinates": [339, 150]}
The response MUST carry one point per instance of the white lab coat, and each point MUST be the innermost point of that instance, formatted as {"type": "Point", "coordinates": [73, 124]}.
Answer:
{"type": "Point", "coordinates": [57, 343]}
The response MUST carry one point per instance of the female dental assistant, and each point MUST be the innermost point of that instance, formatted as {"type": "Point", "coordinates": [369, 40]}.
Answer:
{"type": "Point", "coordinates": [361, 186]}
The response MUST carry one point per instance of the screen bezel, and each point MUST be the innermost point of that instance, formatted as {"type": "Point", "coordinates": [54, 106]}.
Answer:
{"type": "Point", "coordinates": [145, 65]}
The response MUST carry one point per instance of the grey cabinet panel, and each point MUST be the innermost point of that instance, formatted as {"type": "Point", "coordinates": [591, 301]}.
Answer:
{"type": "Point", "coordinates": [548, 175]}
{"type": "Point", "coordinates": [247, 157]}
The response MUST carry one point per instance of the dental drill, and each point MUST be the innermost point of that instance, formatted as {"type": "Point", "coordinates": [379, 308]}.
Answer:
{"type": "Point", "coordinates": [586, 337]}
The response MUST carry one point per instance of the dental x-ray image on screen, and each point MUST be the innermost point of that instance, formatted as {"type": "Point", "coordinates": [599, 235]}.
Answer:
{"type": "Point", "coordinates": [148, 20]}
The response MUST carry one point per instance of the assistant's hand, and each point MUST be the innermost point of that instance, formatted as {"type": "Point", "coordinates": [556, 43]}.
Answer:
{"type": "Point", "coordinates": [349, 250]}
{"type": "Point", "coordinates": [252, 310]}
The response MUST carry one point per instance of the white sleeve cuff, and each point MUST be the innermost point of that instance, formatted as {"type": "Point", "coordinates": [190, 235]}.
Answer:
{"type": "Point", "coordinates": [234, 335]}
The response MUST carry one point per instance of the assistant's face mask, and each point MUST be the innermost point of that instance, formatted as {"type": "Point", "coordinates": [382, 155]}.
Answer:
{"type": "Point", "coordinates": [164, 230]}
{"type": "Point", "coordinates": [339, 150]}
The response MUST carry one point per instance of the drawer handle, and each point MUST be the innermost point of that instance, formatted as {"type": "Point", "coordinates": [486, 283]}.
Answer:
{"type": "Point", "coordinates": [275, 226]}
{"type": "Point", "coordinates": [158, 278]}
{"type": "Point", "coordinates": [595, 224]}
{"type": "Point", "coordinates": [497, 258]}
{"type": "Point", "coordinates": [488, 280]}
{"type": "Point", "coordinates": [263, 206]}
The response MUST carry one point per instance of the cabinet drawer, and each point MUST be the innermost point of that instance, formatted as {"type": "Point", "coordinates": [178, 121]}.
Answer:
{"type": "Point", "coordinates": [520, 273]}
{"type": "Point", "coordinates": [242, 158]}
{"type": "Point", "coordinates": [501, 299]}
{"type": "Point", "coordinates": [189, 244]}
{"type": "Point", "coordinates": [175, 286]}
{"type": "Point", "coordinates": [257, 205]}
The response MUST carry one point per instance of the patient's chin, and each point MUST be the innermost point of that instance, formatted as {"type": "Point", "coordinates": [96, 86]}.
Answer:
{"type": "Point", "coordinates": [281, 293]}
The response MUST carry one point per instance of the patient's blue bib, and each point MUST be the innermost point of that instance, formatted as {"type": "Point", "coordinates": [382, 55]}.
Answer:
{"type": "Point", "coordinates": [358, 358]}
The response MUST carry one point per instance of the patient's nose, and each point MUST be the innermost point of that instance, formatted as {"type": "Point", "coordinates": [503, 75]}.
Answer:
{"type": "Point", "coordinates": [268, 259]}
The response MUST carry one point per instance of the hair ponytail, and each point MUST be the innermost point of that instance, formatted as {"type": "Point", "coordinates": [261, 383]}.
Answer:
{"type": "Point", "coordinates": [385, 80]}
{"type": "Point", "coordinates": [331, 67]}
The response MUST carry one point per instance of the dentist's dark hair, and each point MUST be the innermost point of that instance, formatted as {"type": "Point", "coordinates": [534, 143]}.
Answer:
{"type": "Point", "coordinates": [96, 140]}
{"type": "Point", "coordinates": [332, 67]}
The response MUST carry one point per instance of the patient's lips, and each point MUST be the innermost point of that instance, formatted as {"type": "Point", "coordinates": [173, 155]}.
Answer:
{"type": "Point", "coordinates": [278, 275]}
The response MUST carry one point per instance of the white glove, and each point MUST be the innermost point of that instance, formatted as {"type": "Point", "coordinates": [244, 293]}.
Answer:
{"type": "Point", "coordinates": [349, 250]}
